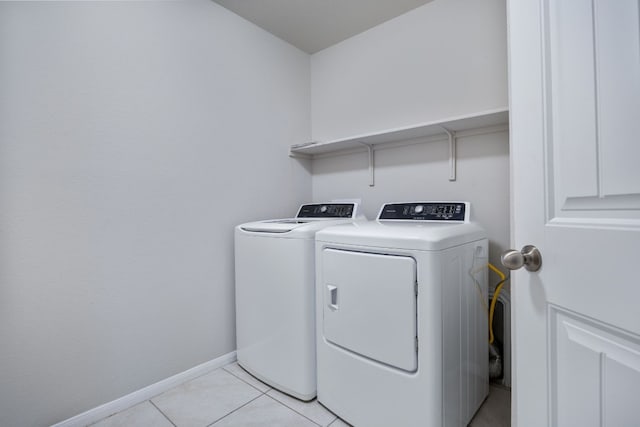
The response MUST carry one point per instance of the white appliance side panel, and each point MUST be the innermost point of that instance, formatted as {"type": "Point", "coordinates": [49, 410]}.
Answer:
{"type": "Point", "coordinates": [369, 305]}
{"type": "Point", "coordinates": [476, 292]}
{"type": "Point", "coordinates": [275, 321]}
{"type": "Point", "coordinates": [452, 341]}
{"type": "Point", "coordinates": [465, 331]}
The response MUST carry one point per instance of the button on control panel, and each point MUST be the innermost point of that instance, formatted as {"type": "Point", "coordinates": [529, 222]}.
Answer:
{"type": "Point", "coordinates": [425, 211]}
{"type": "Point", "coordinates": [326, 210]}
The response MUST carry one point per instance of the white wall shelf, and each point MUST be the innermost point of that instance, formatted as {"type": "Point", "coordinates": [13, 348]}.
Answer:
{"type": "Point", "coordinates": [447, 128]}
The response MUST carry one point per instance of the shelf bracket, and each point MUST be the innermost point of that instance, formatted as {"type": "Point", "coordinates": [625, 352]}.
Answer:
{"type": "Point", "coordinates": [371, 164]}
{"type": "Point", "coordinates": [452, 153]}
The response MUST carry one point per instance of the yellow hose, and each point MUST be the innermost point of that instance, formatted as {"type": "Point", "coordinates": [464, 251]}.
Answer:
{"type": "Point", "coordinates": [498, 272]}
{"type": "Point", "coordinates": [496, 293]}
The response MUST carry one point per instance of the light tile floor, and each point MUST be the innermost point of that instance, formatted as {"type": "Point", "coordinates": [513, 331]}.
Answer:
{"type": "Point", "coordinates": [229, 396]}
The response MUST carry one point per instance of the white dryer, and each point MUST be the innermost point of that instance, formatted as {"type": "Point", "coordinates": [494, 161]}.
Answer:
{"type": "Point", "coordinates": [402, 335]}
{"type": "Point", "coordinates": [275, 296]}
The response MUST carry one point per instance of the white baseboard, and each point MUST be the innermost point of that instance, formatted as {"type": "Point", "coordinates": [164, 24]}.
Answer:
{"type": "Point", "coordinates": [146, 393]}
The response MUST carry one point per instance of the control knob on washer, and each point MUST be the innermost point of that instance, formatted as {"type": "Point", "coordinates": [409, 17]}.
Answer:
{"type": "Point", "coordinates": [418, 209]}
{"type": "Point", "coordinates": [323, 209]}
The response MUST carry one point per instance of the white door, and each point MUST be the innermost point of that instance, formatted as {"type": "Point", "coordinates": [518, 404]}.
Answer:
{"type": "Point", "coordinates": [575, 137]}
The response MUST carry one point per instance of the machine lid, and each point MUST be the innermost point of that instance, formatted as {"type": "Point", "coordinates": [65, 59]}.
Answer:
{"type": "Point", "coordinates": [310, 218]}
{"type": "Point", "coordinates": [425, 226]}
{"type": "Point", "coordinates": [410, 235]}
{"type": "Point", "coordinates": [275, 226]}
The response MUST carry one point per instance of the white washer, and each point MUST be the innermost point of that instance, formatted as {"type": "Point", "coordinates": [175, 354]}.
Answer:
{"type": "Point", "coordinates": [402, 335]}
{"type": "Point", "coordinates": [275, 296]}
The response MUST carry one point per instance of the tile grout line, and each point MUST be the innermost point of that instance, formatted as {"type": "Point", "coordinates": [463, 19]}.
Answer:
{"type": "Point", "coordinates": [215, 421]}
{"type": "Point", "coordinates": [163, 414]}
{"type": "Point", "coordinates": [237, 409]}
{"type": "Point", "coordinates": [286, 406]}
{"type": "Point", "coordinates": [328, 410]}
{"type": "Point", "coordinates": [248, 383]}
{"type": "Point", "coordinates": [273, 398]}
{"type": "Point", "coordinates": [333, 422]}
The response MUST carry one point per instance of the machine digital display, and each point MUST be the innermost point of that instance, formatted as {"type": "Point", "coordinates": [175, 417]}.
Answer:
{"type": "Point", "coordinates": [424, 211]}
{"type": "Point", "coordinates": [326, 210]}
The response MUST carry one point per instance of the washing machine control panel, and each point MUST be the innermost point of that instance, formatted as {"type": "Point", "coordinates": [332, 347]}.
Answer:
{"type": "Point", "coordinates": [327, 210]}
{"type": "Point", "coordinates": [425, 211]}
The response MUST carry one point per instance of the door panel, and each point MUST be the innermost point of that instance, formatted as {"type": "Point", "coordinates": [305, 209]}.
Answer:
{"type": "Point", "coordinates": [595, 371]}
{"type": "Point", "coordinates": [370, 305]}
{"type": "Point", "coordinates": [574, 124]}
{"type": "Point", "coordinates": [593, 82]}
{"type": "Point", "coordinates": [592, 109]}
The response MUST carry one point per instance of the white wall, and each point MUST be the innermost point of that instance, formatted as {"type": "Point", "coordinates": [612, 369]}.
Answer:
{"type": "Point", "coordinates": [444, 59]}
{"type": "Point", "coordinates": [133, 137]}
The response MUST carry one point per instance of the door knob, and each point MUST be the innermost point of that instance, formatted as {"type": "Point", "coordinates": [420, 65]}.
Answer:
{"type": "Point", "coordinates": [529, 257]}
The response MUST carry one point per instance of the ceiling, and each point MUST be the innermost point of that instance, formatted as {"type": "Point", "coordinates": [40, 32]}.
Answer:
{"type": "Point", "coordinates": [312, 25]}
